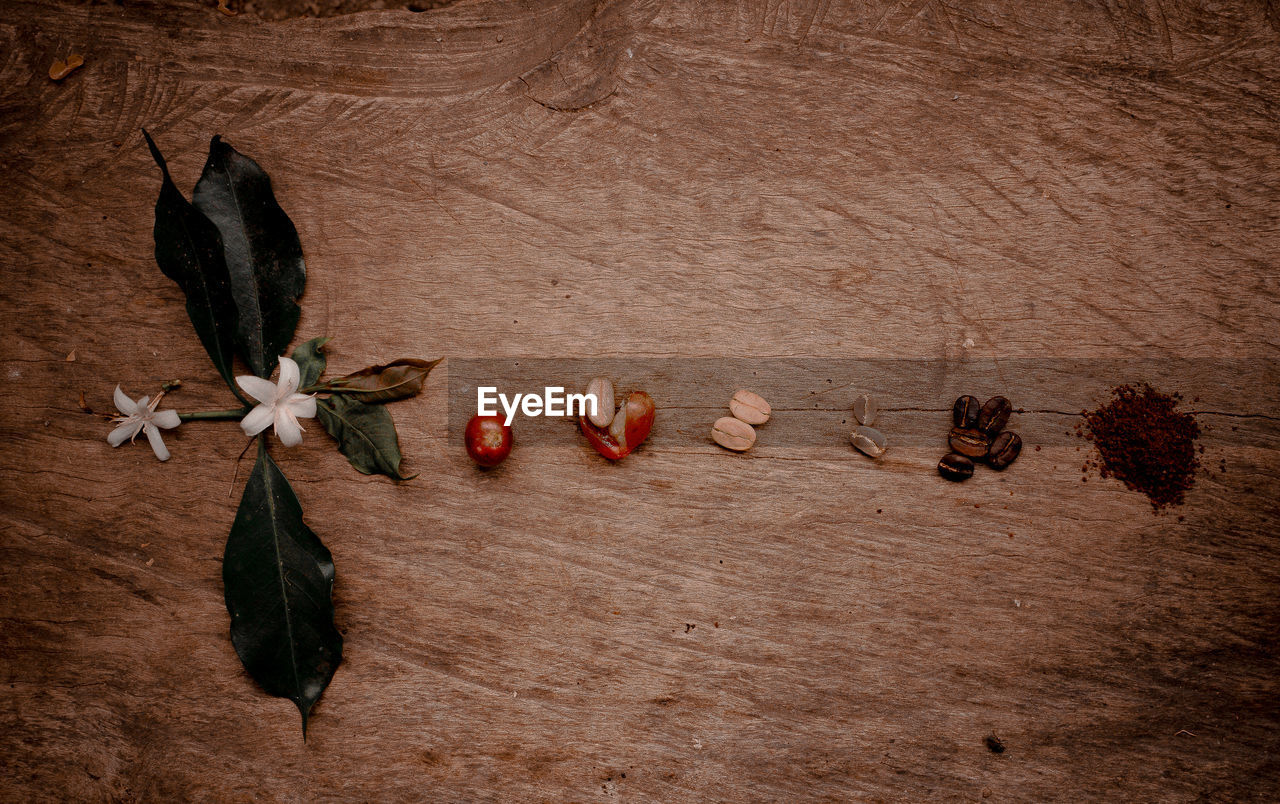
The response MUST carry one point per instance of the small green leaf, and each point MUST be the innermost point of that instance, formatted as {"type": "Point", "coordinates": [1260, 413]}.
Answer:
{"type": "Point", "coordinates": [278, 584]}
{"type": "Point", "coordinates": [311, 361]}
{"type": "Point", "coordinates": [399, 379]}
{"type": "Point", "coordinates": [365, 433]}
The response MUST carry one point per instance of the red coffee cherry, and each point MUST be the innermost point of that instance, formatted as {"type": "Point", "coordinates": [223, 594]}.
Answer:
{"type": "Point", "coordinates": [488, 440]}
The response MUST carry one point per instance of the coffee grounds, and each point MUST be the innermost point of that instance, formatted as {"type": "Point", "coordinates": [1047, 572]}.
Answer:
{"type": "Point", "coordinates": [1144, 442]}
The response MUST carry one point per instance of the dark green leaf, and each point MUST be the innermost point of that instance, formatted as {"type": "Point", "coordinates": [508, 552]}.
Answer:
{"type": "Point", "coordinates": [189, 251]}
{"type": "Point", "coordinates": [399, 379]}
{"type": "Point", "coordinates": [365, 434]}
{"type": "Point", "coordinates": [311, 361]}
{"type": "Point", "coordinates": [263, 253]}
{"type": "Point", "coordinates": [278, 581]}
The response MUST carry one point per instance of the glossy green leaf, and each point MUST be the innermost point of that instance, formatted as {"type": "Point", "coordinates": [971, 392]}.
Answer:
{"type": "Point", "coordinates": [399, 379]}
{"type": "Point", "coordinates": [189, 251]}
{"type": "Point", "coordinates": [365, 433]}
{"type": "Point", "coordinates": [278, 583]}
{"type": "Point", "coordinates": [262, 250]}
{"type": "Point", "coordinates": [311, 361]}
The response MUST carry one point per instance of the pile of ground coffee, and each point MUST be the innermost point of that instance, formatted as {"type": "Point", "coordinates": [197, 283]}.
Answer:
{"type": "Point", "coordinates": [1144, 442]}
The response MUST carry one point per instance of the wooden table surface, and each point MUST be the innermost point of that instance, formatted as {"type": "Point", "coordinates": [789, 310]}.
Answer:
{"type": "Point", "coordinates": [1043, 182]}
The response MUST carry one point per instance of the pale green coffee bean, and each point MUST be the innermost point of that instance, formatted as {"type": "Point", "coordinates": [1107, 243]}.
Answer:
{"type": "Point", "coordinates": [865, 410]}
{"type": "Point", "coordinates": [869, 441]}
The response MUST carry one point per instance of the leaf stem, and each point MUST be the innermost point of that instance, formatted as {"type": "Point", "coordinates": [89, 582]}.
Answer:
{"type": "Point", "coordinates": [215, 415]}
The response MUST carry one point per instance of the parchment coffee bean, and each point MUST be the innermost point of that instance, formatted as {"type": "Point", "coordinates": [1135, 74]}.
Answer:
{"type": "Point", "coordinates": [864, 410]}
{"type": "Point", "coordinates": [733, 434]}
{"type": "Point", "coordinates": [1004, 450]}
{"type": "Point", "coordinates": [994, 415]}
{"type": "Point", "coordinates": [969, 442]}
{"type": "Point", "coordinates": [955, 467]}
{"type": "Point", "coordinates": [602, 387]}
{"type": "Point", "coordinates": [965, 411]}
{"type": "Point", "coordinates": [869, 441]}
{"type": "Point", "coordinates": [749, 407]}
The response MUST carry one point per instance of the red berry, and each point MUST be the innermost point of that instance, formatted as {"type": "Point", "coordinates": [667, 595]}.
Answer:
{"type": "Point", "coordinates": [488, 440]}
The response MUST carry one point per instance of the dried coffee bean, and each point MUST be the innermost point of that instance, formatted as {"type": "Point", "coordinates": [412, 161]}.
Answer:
{"type": "Point", "coordinates": [869, 441]}
{"type": "Point", "coordinates": [955, 466]}
{"type": "Point", "coordinates": [749, 407]}
{"type": "Point", "coordinates": [965, 411]}
{"type": "Point", "coordinates": [969, 442]}
{"type": "Point", "coordinates": [864, 410]}
{"type": "Point", "coordinates": [733, 434]}
{"type": "Point", "coordinates": [1004, 450]}
{"type": "Point", "coordinates": [994, 415]}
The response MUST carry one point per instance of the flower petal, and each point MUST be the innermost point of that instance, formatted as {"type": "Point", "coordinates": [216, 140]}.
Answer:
{"type": "Point", "coordinates": [290, 376]}
{"type": "Point", "coordinates": [124, 432]}
{"type": "Point", "coordinates": [262, 390]}
{"type": "Point", "coordinates": [258, 419]}
{"type": "Point", "coordinates": [157, 444]}
{"type": "Point", "coordinates": [287, 428]}
{"type": "Point", "coordinates": [168, 419]}
{"type": "Point", "coordinates": [124, 404]}
{"type": "Point", "coordinates": [302, 405]}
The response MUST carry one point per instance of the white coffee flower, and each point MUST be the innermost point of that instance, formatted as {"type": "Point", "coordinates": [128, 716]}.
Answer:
{"type": "Point", "coordinates": [281, 404]}
{"type": "Point", "coordinates": [142, 416]}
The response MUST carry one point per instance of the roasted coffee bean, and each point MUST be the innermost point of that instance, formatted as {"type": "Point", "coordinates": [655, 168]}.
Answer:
{"type": "Point", "coordinates": [965, 411]}
{"type": "Point", "coordinates": [969, 442]}
{"type": "Point", "coordinates": [869, 441]}
{"type": "Point", "coordinates": [1004, 450]}
{"type": "Point", "coordinates": [994, 415]}
{"type": "Point", "coordinates": [955, 466]}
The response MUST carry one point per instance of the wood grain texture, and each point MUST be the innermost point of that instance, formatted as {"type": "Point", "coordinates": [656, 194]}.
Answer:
{"type": "Point", "coordinates": [807, 179]}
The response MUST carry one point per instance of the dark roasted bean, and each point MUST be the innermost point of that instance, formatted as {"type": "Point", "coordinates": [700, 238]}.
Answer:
{"type": "Point", "coordinates": [1004, 450]}
{"type": "Point", "coordinates": [994, 415]}
{"type": "Point", "coordinates": [955, 467]}
{"type": "Point", "coordinates": [969, 443]}
{"type": "Point", "coordinates": [964, 413]}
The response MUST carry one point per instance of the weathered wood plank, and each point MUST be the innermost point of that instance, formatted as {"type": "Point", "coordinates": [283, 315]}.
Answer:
{"type": "Point", "coordinates": [807, 186]}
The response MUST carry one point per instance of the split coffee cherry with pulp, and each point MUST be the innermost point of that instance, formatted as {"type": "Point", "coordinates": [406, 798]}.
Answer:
{"type": "Point", "coordinates": [630, 426]}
